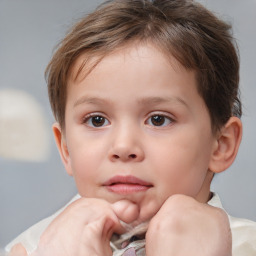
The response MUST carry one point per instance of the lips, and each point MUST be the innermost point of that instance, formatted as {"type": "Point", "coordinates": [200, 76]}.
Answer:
{"type": "Point", "coordinates": [126, 185]}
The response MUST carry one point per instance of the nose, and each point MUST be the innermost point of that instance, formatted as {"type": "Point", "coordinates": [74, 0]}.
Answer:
{"type": "Point", "coordinates": [126, 146]}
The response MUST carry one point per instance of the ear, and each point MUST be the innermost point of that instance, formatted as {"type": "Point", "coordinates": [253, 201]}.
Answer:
{"type": "Point", "coordinates": [62, 147]}
{"type": "Point", "coordinates": [226, 146]}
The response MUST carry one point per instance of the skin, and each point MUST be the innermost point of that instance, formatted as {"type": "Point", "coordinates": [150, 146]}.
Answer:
{"type": "Point", "coordinates": [185, 227]}
{"type": "Point", "coordinates": [144, 84]}
{"type": "Point", "coordinates": [139, 114]}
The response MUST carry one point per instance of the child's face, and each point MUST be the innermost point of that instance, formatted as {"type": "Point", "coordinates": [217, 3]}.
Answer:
{"type": "Point", "coordinates": [137, 129]}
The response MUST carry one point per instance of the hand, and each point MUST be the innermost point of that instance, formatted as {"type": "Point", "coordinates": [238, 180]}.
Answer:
{"type": "Point", "coordinates": [85, 228]}
{"type": "Point", "coordinates": [184, 226]}
{"type": "Point", "coordinates": [18, 250]}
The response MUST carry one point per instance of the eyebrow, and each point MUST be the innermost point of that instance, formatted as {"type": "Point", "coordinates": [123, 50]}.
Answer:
{"type": "Point", "coordinates": [143, 101]}
{"type": "Point", "coordinates": [158, 100]}
{"type": "Point", "coordinates": [91, 100]}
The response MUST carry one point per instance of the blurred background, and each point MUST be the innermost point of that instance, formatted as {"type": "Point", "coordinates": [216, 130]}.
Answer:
{"type": "Point", "coordinates": [33, 182]}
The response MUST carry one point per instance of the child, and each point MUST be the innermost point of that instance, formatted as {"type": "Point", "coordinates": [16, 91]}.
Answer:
{"type": "Point", "coordinates": [145, 95]}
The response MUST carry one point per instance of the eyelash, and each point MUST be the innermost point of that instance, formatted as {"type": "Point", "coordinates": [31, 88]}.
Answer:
{"type": "Point", "coordinates": [88, 120]}
{"type": "Point", "coordinates": [164, 120]}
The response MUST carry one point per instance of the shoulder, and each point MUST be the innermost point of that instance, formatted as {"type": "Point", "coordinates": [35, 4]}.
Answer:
{"type": "Point", "coordinates": [30, 238]}
{"type": "Point", "coordinates": [243, 236]}
{"type": "Point", "coordinates": [243, 232]}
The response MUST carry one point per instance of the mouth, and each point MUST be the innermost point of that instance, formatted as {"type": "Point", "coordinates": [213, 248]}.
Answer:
{"type": "Point", "coordinates": [126, 185]}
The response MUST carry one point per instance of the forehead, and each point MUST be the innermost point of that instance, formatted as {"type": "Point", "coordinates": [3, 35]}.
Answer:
{"type": "Point", "coordinates": [139, 70]}
{"type": "Point", "coordinates": [153, 73]}
{"type": "Point", "coordinates": [86, 62]}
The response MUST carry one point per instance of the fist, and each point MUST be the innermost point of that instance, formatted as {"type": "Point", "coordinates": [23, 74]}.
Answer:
{"type": "Point", "coordinates": [184, 226]}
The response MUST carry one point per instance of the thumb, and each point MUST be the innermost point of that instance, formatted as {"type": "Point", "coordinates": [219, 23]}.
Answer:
{"type": "Point", "coordinates": [126, 210]}
{"type": "Point", "coordinates": [18, 250]}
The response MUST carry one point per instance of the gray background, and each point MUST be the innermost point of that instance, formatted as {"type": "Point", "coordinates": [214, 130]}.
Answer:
{"type": "Point", "coordinates": [29, 29]}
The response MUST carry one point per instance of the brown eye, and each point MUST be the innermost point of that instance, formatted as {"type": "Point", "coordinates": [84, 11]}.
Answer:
{"type": "Point", "coordinates": [96, 121]}
{"type": "Point", "coordinates": [159, 120]}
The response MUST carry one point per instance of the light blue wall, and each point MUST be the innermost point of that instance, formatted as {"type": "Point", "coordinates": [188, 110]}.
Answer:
{"type": "Point", "coordinates": [29, 29]}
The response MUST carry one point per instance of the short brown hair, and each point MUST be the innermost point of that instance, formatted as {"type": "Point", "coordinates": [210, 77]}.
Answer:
{"type": "Point", "coordinates": [183, 29]}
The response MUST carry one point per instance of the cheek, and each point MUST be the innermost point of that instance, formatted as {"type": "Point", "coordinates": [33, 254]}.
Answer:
{"type": "Point", "coordinates": [86, 177]}
{"type": "Point", "coordinates": [85, 151]}
{"type": "Point", "coordinates": [181, 165]}
{"type": "Point", "coordinates": [85, 159]}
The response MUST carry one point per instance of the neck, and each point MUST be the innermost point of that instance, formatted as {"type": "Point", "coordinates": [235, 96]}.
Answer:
{"type": "Point", "coordinates": [205, 194]}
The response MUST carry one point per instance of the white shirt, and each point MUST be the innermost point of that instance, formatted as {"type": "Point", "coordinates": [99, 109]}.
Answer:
{"type": "Point", "coordinates": [243, 232]}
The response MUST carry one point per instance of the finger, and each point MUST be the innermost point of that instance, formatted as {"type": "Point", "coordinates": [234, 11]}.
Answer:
{"type": "Point", "coordinates": [18, 250]}
{"type": "Point", "coordinates": [126, 210]}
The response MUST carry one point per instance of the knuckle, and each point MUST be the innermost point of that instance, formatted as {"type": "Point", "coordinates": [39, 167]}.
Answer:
{"type": "Point", "coordinates": [169, 221]}
{"type": "Point", "coordinates": [178, 205]}
{"type": "Point", "coordinates": [176, 213]}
